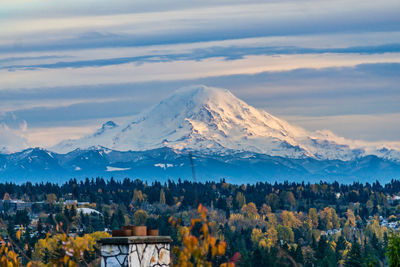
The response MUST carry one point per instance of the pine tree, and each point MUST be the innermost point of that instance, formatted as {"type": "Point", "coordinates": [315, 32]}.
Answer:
{"type": "Point", "coordinates": [162, 196]}
{"type": "Point", "coordinates": [322, 245]}
{"type": "Point", "coordinates": [341, 243]}
{"type": "Point", "coordinates": [329, 259]}
{"type": "Point", "coordinates": [393, 250]}
{"type": "Point", "coordinates": [354, 258]}
{"type": "Point", "coordinates": [257, 258]}
{"type": "Point", "coordinates": [298, 255]}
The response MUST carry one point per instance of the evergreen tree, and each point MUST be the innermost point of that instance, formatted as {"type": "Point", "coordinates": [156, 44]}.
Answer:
{"type": "Point", "coordinates": [393, 250]}
{"type": "Point", "coordinates": [341, 243]}
{"type": "Point", "coordinates": [298, 255]}
{"type": "Point", "coordinates": [322, 245]}
{"type": "Point", "coordinates": [354, 258]}
{"type": "Point", "coordinates": [257, 258]}
{"type": "Point", "coordinates": [162, 197]}
{"type": "Point", "coordinates": [329, 258]}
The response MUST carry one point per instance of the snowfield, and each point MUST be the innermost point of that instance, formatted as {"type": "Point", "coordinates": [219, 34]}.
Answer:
{"type": "Point", "coordinates": [212, 120]}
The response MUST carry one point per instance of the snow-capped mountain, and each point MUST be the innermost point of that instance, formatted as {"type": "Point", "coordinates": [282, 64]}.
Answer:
{"type": "Point", "coordinates": [226, 137]}
{"type": "Point", "coordinates": [214, 121]}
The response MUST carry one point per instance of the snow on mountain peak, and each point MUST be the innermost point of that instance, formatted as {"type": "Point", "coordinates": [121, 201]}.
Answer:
{"type": "Point", "coordinates": [213, 120]}
{"type": "Point", "coordinates": [209, 119]}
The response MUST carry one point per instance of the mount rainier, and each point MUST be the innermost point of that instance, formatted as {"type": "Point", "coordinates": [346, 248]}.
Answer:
{"type": "Point", "coordinates": [211, 120]}
{"type": "Point", "coordinates": [229, 139]}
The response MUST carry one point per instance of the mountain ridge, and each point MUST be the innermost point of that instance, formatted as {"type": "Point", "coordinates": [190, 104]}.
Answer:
{"type": "Point", "coordinates": [38, 165]}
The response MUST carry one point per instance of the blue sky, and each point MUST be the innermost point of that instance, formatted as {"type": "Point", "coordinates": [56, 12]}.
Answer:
{"type": "Point", "coordinates": [68, 66]}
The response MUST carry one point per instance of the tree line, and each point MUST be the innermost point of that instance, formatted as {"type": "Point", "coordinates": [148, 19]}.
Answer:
{"type": "Point", "coordinates": [267, 224]}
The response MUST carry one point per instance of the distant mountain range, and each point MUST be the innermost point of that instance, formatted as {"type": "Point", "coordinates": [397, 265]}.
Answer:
{"type": "Point", "coordinates": [227, 137]}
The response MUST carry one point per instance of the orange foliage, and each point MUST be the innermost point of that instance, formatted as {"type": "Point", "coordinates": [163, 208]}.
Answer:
{"type": "Point", "coordinates": [8, 257]}
{"type": "Point", "coordinates": [195, 251]}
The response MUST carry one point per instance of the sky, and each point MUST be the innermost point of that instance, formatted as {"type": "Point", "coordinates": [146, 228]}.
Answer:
{"type": "Point", "coordinates": [66, 67]}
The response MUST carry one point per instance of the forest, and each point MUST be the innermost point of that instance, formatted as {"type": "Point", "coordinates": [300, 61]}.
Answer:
{"type": "Point", "coordinates": [261, 224]}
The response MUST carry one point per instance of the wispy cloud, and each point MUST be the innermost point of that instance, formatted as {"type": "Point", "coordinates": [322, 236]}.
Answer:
{"type": "Point", "coordinates": [192, 24]}
{"type": "Point", "coordinates": [180, 70]}
{"type": "Point", "coordinates": [225, 53]}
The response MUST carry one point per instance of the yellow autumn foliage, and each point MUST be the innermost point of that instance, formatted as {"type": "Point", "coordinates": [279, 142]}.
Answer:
{"type": "Point", "coordinates": [196, 251]}
{"type": "Point", "coordinates": [8, 257]}
{"type": "Point", "coordinates": [62, 249]}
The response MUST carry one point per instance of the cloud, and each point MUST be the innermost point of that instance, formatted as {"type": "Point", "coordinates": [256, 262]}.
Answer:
{"type": "Point", "coordinates": [182, 70]}
{"type": "Point", "coordinates": [368, 127]}
{"type": "Point", "coordinates": [49, 136]}
{"type": "Point", "coordinates": [194, 23]}
{"type": "Point", "coordinates": [12, 140]}
{"type": "Point", "coordinates": [226, 53]}
{"type": "Point", "coordinates": [65, 115]}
